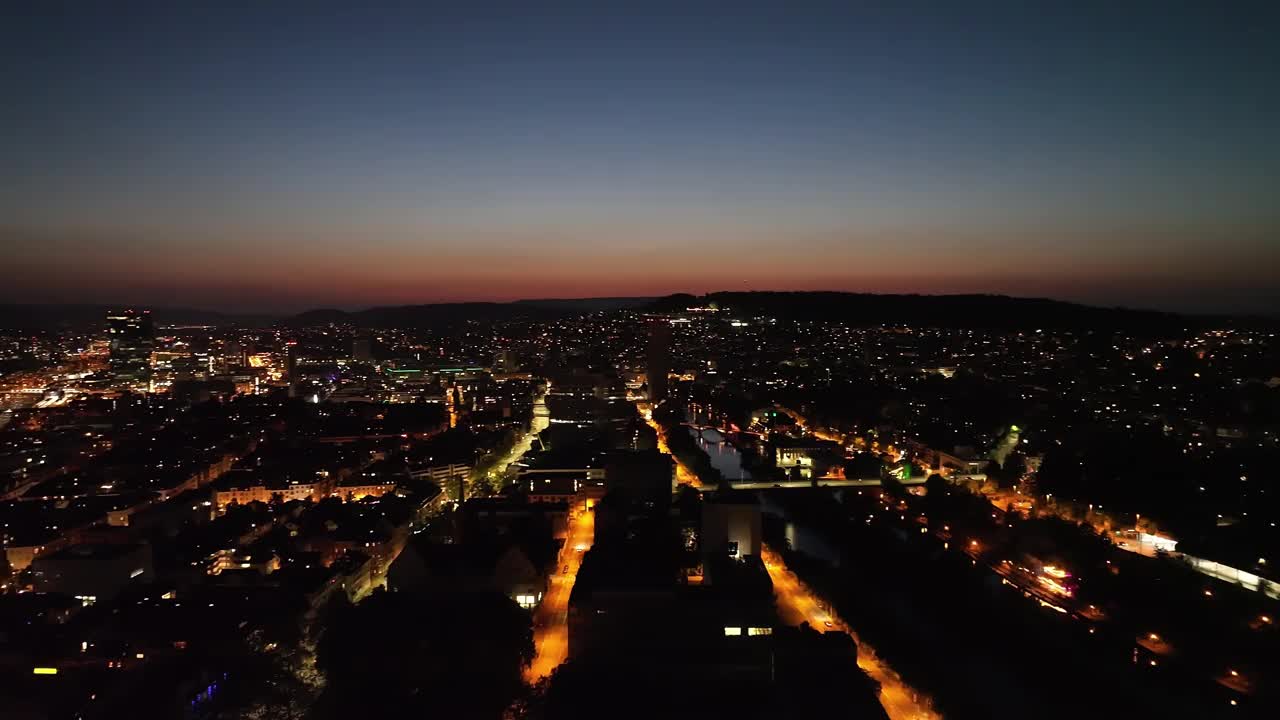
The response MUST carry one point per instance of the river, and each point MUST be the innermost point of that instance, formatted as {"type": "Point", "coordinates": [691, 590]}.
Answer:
{"type": "Point", "coordinates": [724, 456]}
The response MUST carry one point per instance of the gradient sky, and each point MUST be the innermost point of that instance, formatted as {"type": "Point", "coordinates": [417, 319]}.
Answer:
{"type": "Point", "coordinates": [277, 156]}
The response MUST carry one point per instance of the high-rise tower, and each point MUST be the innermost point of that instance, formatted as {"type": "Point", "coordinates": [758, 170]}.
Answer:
{"type": "Point", "coordinates": [132, 337]}
{"type": "Point", "coordinates": [362, 347]}
{"type": "Point", "coordinates": [658, 360]}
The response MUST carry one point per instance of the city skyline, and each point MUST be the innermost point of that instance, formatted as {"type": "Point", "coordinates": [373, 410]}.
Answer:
{"type": "Point", "coordinates": [284, 158]}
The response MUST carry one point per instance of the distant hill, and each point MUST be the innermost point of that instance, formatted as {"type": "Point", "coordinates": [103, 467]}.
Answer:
{"type": "Point", "coordinates": [590, 304]}
{"type": "Point", "coordinates": [438, 314]}
{"type": "Point", "coordinates": [414, 315]}
{"type": "Point", "coordinates": [23, 316]}
{"type": "Point", "coordinates": [79, 316]}
{"type": "Point", "coordinates": [976, 311]}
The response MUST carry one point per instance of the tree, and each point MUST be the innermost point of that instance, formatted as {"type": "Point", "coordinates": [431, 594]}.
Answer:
{"type": "Point", "coordinates": [439, 654]}
{"type": "Point", "coordinates": [863, 465]}
{"type": "Point", "coordinates": [818, 672]}
{"type": "Point", "coordinates": [935, 486]}
{"type": "Point", "coordinates": [936, 492]}
{"type": "Point", "coordinates": [687, 502]}
{"type": "Point", "coordinates": [893, 487]}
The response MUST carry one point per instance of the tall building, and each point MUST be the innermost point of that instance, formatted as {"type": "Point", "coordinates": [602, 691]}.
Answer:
{"type": "Point", "coordinates": [132, 337]}
{"type": "Point", "coordinates": [731, 526]}
{"type": "Point", "coordinates": [645, 476]}
{"type": "Point", "coordinates": [658, 360]}
{"type": "Point", "coordinates": [291, 366]}
{"type": "Point", "coordinates": [506, 362]}
{"type": "Point", "coordinates": [362, 348]}
{"type": "Point", "coordinates": [234, 356]}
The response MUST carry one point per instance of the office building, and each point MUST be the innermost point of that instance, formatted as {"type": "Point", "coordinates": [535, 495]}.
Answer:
{"type": "Point", "coordinates": [658, 360]}
{"type": "Point", "coordinates": [291, 367]}
{"type": "Point", "coordinates": [506, 362]}
{"type": "Point", "coordinates": [731, 526]}
{"type": "Point", "coordinates": [362, 348]}
{"type": "Point", "coordinates": [644, 475]}
{"type": "Point", "coordinates": [131, 338]}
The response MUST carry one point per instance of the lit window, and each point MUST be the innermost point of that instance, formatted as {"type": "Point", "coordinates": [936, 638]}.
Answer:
{"type": "Point", "coordinates": [760, 631]}
{"type": "Point", "coordinates": [732, 631]}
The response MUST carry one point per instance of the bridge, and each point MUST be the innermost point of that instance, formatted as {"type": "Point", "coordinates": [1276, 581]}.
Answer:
{"type": "Point", "coordinates": [700, 429]}
{"type": "Point", "coordinates": [822, 482]}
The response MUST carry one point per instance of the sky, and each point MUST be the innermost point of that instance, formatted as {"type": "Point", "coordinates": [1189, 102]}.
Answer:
{"type": "Point", "coordinates": [276, 156]}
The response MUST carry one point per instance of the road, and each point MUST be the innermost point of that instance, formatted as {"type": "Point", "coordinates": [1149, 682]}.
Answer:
{"type": "Point", "coordinates": [501, 471]}
{"type": "Point", "coordinates": [550, 619]}
{"type": "Point", "coordinates": [684, 476]}
{"type": "Point", "coordinates": [836, 437]}
{"type": "Point", "coordinates": [541, 420]}
{"type": "Point", "coordinates": [796, 604]}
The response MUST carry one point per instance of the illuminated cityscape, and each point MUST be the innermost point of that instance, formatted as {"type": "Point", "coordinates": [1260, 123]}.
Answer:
{"type": "Point", "coordinates": [537, 361]}
{"type": "Point", "coordinates": [1090, 493]}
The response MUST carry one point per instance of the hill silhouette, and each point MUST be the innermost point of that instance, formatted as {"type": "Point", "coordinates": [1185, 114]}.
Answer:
{"type": "Point", "coordinates": [976, 311]}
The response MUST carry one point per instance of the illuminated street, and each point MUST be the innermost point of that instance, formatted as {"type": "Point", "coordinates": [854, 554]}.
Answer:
{"type": "Point", "coordinates": [684, 476]}
{"type": "Point", "coordinates": [796, 604]}
{"type": "Point", "coordinates": [541, 419]}
{"type": "Point", "coordinates": [550, 619]}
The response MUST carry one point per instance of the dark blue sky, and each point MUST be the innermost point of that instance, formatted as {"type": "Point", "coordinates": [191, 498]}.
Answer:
{"type": "Point", "coordinates": [301, 154]}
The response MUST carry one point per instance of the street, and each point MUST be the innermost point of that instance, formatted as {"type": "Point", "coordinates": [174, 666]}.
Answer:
{"type": "Point", "coordinates": [684, 476]}
{"type": "Point", "coordinates": [796, 604]}
{"type": "Point", "coordinates": [550, 619]}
